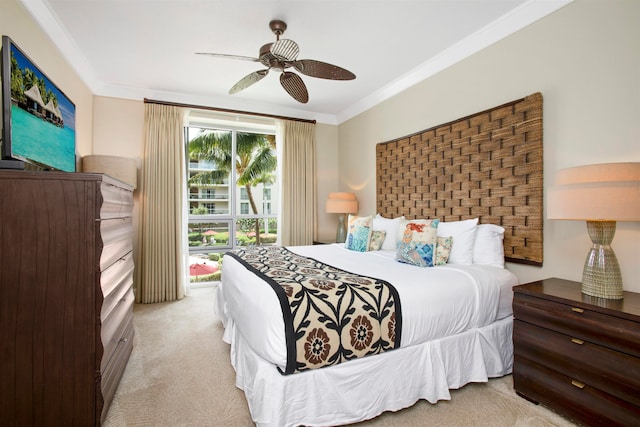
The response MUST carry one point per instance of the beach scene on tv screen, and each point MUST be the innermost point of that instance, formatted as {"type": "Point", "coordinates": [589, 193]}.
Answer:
{"type": "Point", "coordinates": [42, 117]}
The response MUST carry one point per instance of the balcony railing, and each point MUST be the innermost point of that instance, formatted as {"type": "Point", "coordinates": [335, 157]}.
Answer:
{"type": "Point", "coordinates": [203, 198]}
{"type": "Point", "coordinates": [224, 183]}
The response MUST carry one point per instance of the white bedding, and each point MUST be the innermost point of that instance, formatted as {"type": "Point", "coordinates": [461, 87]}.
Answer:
{"type": "Point", "coordinates": [436, 302]}
{"type": "Point", "coordinates": [364, 388]}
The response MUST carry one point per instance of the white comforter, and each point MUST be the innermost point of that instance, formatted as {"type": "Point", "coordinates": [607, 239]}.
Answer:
{"type": "Point", "coordinates": [436, 302]}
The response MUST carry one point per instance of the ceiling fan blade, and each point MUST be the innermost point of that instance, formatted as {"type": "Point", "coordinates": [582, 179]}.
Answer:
{"type": "Point", "coordinates": [285, 50]}
{"type": "Point", "coordinates": [248, 80]}
{"type": "Point", "coordinates": [322, 70]}
{"type": "Point", "coordinates": [224, 55]}
{"type": "Point", "coordinates": [293, 84]}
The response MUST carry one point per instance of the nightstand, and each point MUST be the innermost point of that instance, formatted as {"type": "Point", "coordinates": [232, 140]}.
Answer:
{"type": "Point", "coordinates": [577, 354]}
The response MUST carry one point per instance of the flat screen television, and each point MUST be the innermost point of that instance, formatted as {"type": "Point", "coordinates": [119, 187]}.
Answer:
{"type": "Point", "coordinates": [38, 119]}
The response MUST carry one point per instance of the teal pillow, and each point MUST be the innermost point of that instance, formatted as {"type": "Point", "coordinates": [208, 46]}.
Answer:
{"type": "Point", "coordinates": [443, 250]}
{"type": "Point", "coordinates": [359, 233]}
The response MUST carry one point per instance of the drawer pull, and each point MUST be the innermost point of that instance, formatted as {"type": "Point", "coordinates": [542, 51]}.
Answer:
{"type": "Point", "coordinates": [127, 339]}
{"type": "Point", "coordinates": [578, 384]}
{"type": "Point", "coordinates": [577, 310]}
{"type": "Point", "coordinates": [577, 341]}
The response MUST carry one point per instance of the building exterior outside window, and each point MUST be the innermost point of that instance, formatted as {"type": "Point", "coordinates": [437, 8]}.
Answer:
{"type": "Point", "coordinates": [227, 209]}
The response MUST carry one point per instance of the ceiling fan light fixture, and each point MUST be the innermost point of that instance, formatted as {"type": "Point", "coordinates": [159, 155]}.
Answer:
{"type": "Point", "coordinates": [283, 54]}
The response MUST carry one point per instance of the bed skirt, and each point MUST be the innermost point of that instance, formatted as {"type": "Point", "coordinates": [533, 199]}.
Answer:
{"type": "Point", "coordinates": [364, 388]}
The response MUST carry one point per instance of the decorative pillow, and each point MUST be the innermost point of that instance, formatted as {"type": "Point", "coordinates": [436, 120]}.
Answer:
{"type": "Point", "coordinates": [377, 237]}
{"type": "Point", "coordinates": [443, 250]}
{"type": "Point", "coordinates": [359, 233]}
{"type": "Point", "coordinates": [391, 227]}
{"type": "Point", "coordinates": [417, 245]}
{"type": "Point", "coordinates": [489, 247]}
{"type": "Point", "coordinates": [464, 237]}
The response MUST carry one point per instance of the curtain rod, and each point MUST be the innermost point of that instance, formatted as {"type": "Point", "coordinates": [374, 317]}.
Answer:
{"type": "Point", "coordinates": [224, 110]}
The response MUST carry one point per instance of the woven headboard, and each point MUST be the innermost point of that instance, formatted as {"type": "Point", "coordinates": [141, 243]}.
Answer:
{"type": "Point", "coordinates": [487, 166]}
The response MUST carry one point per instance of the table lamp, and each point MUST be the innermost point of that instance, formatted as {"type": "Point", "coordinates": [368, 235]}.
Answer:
{"type": "Point", "coordinates": [341, 203]}
{"type": "Point", "coordinates": [601, 194]}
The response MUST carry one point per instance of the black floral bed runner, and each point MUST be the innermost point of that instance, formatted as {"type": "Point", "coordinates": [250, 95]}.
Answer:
{"type": "Point", "coordinates": [330, 315]}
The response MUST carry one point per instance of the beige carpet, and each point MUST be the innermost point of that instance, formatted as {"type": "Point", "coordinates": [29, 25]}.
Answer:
{"type": "Point", "coordinates": [180, 374]}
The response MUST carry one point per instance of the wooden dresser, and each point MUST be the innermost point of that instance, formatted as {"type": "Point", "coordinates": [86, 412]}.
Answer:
{"type": "Point", "coordinates": [66, 296]}
{"type": "Point", "coordinates": [577, 354]}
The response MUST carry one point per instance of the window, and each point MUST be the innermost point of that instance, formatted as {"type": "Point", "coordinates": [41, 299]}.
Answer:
{"type": "Point", "coordinates": [233, 196]}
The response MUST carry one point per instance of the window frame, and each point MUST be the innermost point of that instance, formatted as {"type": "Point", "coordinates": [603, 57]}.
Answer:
{"type": "Point", "coordinates": [230, 218]}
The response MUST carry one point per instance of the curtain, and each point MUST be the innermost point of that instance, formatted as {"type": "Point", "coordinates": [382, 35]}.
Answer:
{"type": "Point", "coordinates": [298, 171]}
{"type": "Point", "coordinates": [161, 273]}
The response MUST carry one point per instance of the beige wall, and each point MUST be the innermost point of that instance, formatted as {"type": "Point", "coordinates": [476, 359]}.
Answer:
{"type": "Point", "coordinates": [585, 60]}
{"type": "Point", "coordinates": [16, 23]}
{"type": "Point", "coordinates": [118, 130]}
{"type": "Point", "coordinates": [327, 178]}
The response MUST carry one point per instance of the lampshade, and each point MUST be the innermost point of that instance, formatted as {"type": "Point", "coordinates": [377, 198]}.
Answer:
{"type": "Point", "coordinates": [343, 203]}
{"type": "Point", "coordinates": [608, 191]}
{"type": "Point", "coordinates": [601, 194]}
{"type": "Point", "coordinates": [122, 168]}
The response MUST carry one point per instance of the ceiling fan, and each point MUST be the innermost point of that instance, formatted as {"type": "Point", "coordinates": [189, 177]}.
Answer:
{"type": "Point", "coordinates": [281, 55]}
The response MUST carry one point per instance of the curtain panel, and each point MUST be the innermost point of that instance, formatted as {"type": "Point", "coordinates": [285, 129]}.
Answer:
{"type": "Point", "coordinates": [298, 172]}
{"type": "Point", "coordinates": [161, 273]}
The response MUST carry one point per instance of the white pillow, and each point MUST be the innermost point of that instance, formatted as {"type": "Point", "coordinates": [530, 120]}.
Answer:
{"type": "Point", "coordinates": [464, 237]}
{"type": "Point", "coordinates": [489, 247]}
{"type": "Point", "coordinates": [391, 227]}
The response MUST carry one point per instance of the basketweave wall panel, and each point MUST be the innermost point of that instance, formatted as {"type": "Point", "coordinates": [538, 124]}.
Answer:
{"type": "Point", "coordinates": [488, 165]}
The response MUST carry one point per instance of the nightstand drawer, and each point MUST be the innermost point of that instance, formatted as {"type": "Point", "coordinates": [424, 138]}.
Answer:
{"type": "Point", "coordinates": [570, 397]}
{"type": "Point", "coordinates": [609, 331]}
{"type": "Point", "coordinates": [613, 372]}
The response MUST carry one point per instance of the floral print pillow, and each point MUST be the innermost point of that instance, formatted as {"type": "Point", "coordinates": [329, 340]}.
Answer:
{"type": "Point", "coordinates": [359, 233]}
{"type": "Point", "coordinates": [418, 242]}
{"type": "Point", "coordinates": [443, 250]}
{"type": "Point", "coordinates": [377, 238]}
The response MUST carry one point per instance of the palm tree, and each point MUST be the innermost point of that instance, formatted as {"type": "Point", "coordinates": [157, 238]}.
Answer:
{"type": "Point", "coordinates": [255, 161]}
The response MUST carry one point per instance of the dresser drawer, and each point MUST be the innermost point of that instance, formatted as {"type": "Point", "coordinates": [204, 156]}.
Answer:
{"type": "Point", "coordinates": [113, 326]}
{"type": "Point", "coordinates": [112, 372]}
{"type": "Point", "coordinates": [116, 240]}
{"type": "Point", "coordinates": [605, 330]}
{"type": "Point", "coordinates": [579, 402]}
{"type": "Point", "coordinates": [117, 202]}
{"type": "Point", "coordinates": [115, 282]}
{"type": "Point", "coordinates": [610, 371]}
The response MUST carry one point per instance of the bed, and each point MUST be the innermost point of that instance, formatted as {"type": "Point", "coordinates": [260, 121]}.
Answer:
{"type": "Point", "coordinates": [456, 318]}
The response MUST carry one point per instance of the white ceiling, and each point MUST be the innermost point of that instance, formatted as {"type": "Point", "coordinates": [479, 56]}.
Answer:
{"type": "Point", "coordinates": [146, 48]}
